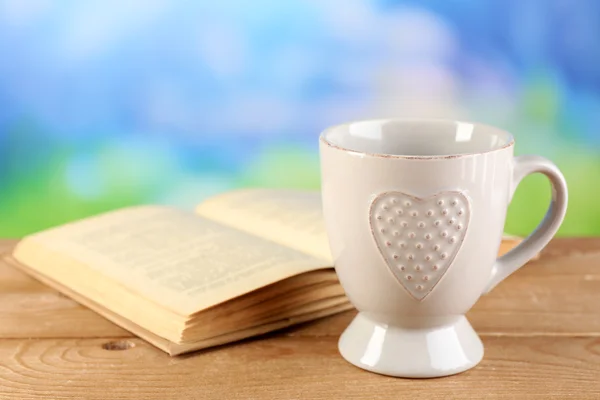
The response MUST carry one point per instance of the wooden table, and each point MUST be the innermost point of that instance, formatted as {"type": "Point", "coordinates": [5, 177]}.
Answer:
{"type": "Point", "coordinates": [541, 330]}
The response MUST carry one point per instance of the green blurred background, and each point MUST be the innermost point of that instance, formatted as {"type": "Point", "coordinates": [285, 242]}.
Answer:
{"type": "Point", "coordinates": [105, 104]}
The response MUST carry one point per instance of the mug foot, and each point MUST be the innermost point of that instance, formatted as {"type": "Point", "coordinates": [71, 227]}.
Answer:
{"type": "Point", "coordinates": [411, 353]}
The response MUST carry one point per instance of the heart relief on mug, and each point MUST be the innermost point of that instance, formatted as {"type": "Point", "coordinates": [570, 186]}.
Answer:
{"type": "Point", "coordinates": [414, 212]}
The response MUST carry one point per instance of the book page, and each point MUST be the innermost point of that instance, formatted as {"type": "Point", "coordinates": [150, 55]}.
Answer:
{"type": "Point", "coordinates": [292, 218]}
{"type": "Point", "coordinates": [173, 258]}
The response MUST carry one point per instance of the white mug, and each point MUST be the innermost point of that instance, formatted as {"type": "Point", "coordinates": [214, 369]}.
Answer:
{"type": "Point", "coordinates": [414, 212]}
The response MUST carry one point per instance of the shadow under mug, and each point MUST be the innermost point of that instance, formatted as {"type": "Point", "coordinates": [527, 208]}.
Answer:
{"type": "Point", "coordinates": [414, 212]}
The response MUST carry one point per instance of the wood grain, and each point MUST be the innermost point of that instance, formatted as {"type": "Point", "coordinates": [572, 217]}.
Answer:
{"type": "Point", "coordinates": [541, 330]}
{"type": "Point", "coordinates": [288, 367]}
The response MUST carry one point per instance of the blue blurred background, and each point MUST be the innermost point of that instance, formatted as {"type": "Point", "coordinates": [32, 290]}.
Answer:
{"type": "Point", "coordinates": [105, 104]}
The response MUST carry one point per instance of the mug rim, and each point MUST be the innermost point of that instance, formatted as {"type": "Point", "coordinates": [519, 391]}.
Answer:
{"type": "Point", "coordinates": [322, 139]}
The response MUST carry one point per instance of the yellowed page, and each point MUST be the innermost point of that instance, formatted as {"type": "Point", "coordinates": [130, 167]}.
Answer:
{"type": "Point", "coordinates": [292, 218]}
{"type": "Point", "coordinates": [173, 258]}
{"type": "Point", "coordinates": [174, 347]}
{"type": "Point", "coordinates": [181, 348]}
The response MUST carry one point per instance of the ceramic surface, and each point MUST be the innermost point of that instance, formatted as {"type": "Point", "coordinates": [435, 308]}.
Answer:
{"type": "Point", "coordinates": [414, 211]}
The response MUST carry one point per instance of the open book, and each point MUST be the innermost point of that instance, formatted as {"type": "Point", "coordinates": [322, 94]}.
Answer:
{"type": "Point", "coordinates": [244, 263]}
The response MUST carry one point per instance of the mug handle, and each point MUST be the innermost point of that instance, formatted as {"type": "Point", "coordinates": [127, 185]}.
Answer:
{"type": "Point", "coordinates": [539, 238]}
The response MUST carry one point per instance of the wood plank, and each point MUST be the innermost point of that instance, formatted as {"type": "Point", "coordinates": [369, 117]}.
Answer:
{"type": "Point", "coordinates": [7, 244]}
{"type": "Point", "coordinates": [537, 300]}
{"type": "Point", "coordinates": [540, 328]}
{"type": "Point", "coordinates": [559, 294]}
{"type": "Point", "coordinates": [288, 367]}
{"type": "Point", "coordinates": [567, 246]}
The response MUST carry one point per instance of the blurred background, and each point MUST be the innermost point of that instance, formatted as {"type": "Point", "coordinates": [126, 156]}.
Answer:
{"type": "Point", "coordinates": [105, 104]}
